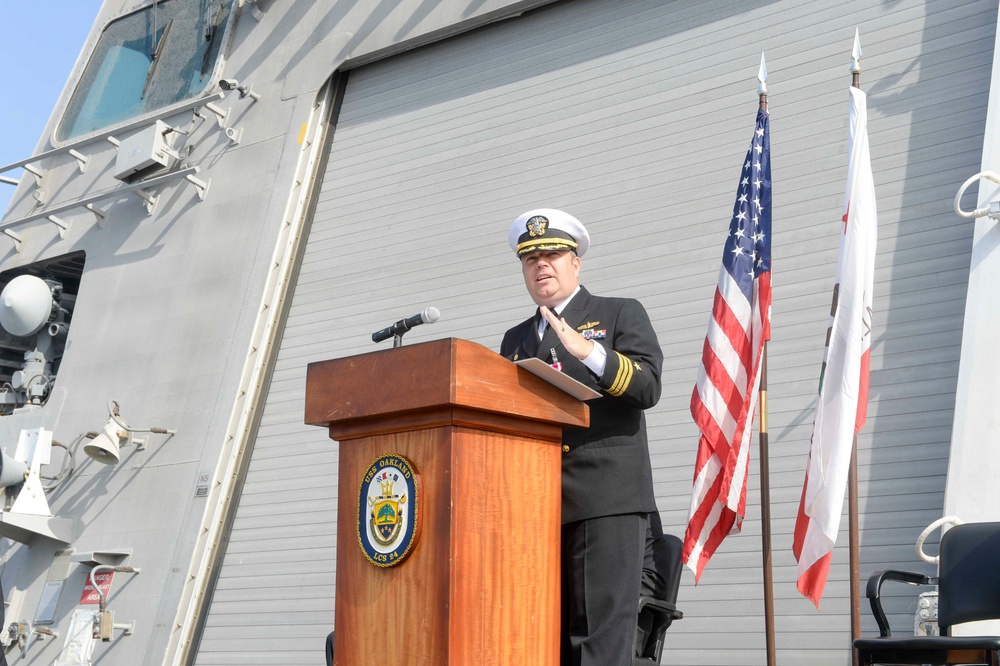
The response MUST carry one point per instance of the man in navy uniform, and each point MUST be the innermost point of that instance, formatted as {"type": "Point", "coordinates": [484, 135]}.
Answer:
{"type": "Point", "coordinates": [609, 345]}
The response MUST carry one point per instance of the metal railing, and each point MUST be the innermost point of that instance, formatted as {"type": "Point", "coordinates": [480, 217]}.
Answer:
{"type": "Point", "coordinates": [72, 149]}
{"type": "Point", "coordinates": [143, 189]}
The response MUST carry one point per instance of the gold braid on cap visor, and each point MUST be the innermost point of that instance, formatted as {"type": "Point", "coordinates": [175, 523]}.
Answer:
{"type": "Point", "coordinates": [546, 244]}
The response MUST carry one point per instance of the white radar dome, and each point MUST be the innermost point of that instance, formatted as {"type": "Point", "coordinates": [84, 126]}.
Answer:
{"type": "Point", "coordinates": [25, 305]}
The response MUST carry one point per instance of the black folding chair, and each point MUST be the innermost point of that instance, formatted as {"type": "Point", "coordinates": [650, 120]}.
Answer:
{"type": "Point", "coordinates": [658, 603]}
{"type": "Point", "coordinates": [968, 590]}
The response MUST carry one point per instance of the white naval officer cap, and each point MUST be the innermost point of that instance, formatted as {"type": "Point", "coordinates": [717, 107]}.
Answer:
{"type": "Point", "coordinates": [546, 229]}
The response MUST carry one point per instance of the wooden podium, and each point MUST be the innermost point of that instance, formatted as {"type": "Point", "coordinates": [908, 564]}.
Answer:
{"type": "Point", "coordinates": [480, 584]}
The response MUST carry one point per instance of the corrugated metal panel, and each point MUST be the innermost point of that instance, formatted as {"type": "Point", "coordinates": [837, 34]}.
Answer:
{"type": "Point", "coordinates": [634, 115]}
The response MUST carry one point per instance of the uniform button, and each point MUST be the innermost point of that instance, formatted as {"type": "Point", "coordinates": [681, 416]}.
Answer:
{"type": "Point", "coordinates": [565, 448]}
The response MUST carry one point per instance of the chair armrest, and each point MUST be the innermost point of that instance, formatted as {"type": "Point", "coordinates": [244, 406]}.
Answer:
{"type": "Point", "coordinates": [661, 607]}
{"type": "Point", "coordinates": [874, 589]}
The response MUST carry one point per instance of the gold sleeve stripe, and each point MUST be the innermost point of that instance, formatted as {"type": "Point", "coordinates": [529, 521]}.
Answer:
{"type": "Point", "coordinates": [624, 376]}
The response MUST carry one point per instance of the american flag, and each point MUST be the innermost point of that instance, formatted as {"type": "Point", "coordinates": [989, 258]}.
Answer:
{"type": "Point", "coordinates": [725, 395]}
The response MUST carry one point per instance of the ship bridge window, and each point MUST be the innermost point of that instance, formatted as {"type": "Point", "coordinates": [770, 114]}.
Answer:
{"type": "Point", "coordinates": [145, 61]}
{"type": "Point", "coordinates": [36, 312]}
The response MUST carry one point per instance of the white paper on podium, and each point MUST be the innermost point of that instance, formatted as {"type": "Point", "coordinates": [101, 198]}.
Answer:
{"type": "Point", "coordinates": [540, 368]}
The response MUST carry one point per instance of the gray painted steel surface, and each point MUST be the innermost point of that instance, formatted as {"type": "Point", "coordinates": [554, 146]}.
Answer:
{"type": "Point", "coordinates": [634, 116]}
{"type": "Point", "coordinates": [173, 309]}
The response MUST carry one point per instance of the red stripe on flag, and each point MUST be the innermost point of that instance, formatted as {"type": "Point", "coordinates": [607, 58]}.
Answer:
{"type": "Point", "coordinates": [764, 304]}
{"type": "Point", "coordinates": [698, 519]}
{"type": "Point", "coordinates": [812, 583]}
{"type": "Point", "coordinates": [718, 377]}
{"type": "Point", "coordinates": [862, 415]}
{"type": "Point", "coordinates": [707, 424]}
{"type": "Point", "coordinates": [732, 327]}
{"type": "Point", "coordinates": [715, 372]}
{"type": "Point", "coordinates": [721, 530]}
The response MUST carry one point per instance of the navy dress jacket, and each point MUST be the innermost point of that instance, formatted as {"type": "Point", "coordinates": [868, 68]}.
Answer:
{"type": "Point", "coordinates": [605, 468]}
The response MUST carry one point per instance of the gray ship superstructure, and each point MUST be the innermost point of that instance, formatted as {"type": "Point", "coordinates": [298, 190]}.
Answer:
{"type": "Point", "coordinates": [229, 190]}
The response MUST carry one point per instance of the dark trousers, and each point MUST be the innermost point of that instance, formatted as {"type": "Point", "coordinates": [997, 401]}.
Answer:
{"type": "Point", "coordinates": [602, 564]}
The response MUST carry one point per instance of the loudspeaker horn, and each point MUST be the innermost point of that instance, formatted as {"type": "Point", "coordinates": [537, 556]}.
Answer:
{"type": "Point", "coordinates": [104, 448]}
{"type": "Point", "coordinates": [12, 470]}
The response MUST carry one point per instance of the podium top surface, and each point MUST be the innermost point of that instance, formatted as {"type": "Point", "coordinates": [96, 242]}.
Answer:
{"type": "Point", "coordinates": [432, 375]}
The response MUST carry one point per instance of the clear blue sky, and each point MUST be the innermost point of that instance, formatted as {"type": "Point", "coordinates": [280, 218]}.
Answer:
{"type": "Point", "coordinates": [40, 41]}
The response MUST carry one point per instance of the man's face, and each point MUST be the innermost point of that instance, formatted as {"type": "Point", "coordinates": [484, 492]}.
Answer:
{"type": "Point", "coordinates": [550, 276]}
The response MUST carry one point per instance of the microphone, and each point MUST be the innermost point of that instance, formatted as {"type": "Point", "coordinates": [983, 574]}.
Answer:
{"type": "Point", "coordinates": [428, 316]}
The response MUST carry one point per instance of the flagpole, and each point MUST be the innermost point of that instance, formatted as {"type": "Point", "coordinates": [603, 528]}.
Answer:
{"type": "Point", "coordinates": [765, 485]}
{"type": "Point", "coordinates": [852, 477]}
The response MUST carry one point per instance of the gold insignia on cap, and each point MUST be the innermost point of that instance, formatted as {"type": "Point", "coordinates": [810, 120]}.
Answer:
{"type": "Point", "coordinates": [537, 225]}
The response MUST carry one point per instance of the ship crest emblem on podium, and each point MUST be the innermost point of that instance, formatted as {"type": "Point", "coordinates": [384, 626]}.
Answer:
{"type": "Point", "coordinates": [384, 518]}
{"type": "Point", "coordinates": [387, 510]}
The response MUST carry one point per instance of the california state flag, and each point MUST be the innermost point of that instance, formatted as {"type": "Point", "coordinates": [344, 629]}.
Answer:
{"type": "Point", "coordinates": [843, 384]}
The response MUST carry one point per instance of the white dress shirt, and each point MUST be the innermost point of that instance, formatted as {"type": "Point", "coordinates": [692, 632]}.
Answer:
{"type": "Point", "coordinates": [598, 357]}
